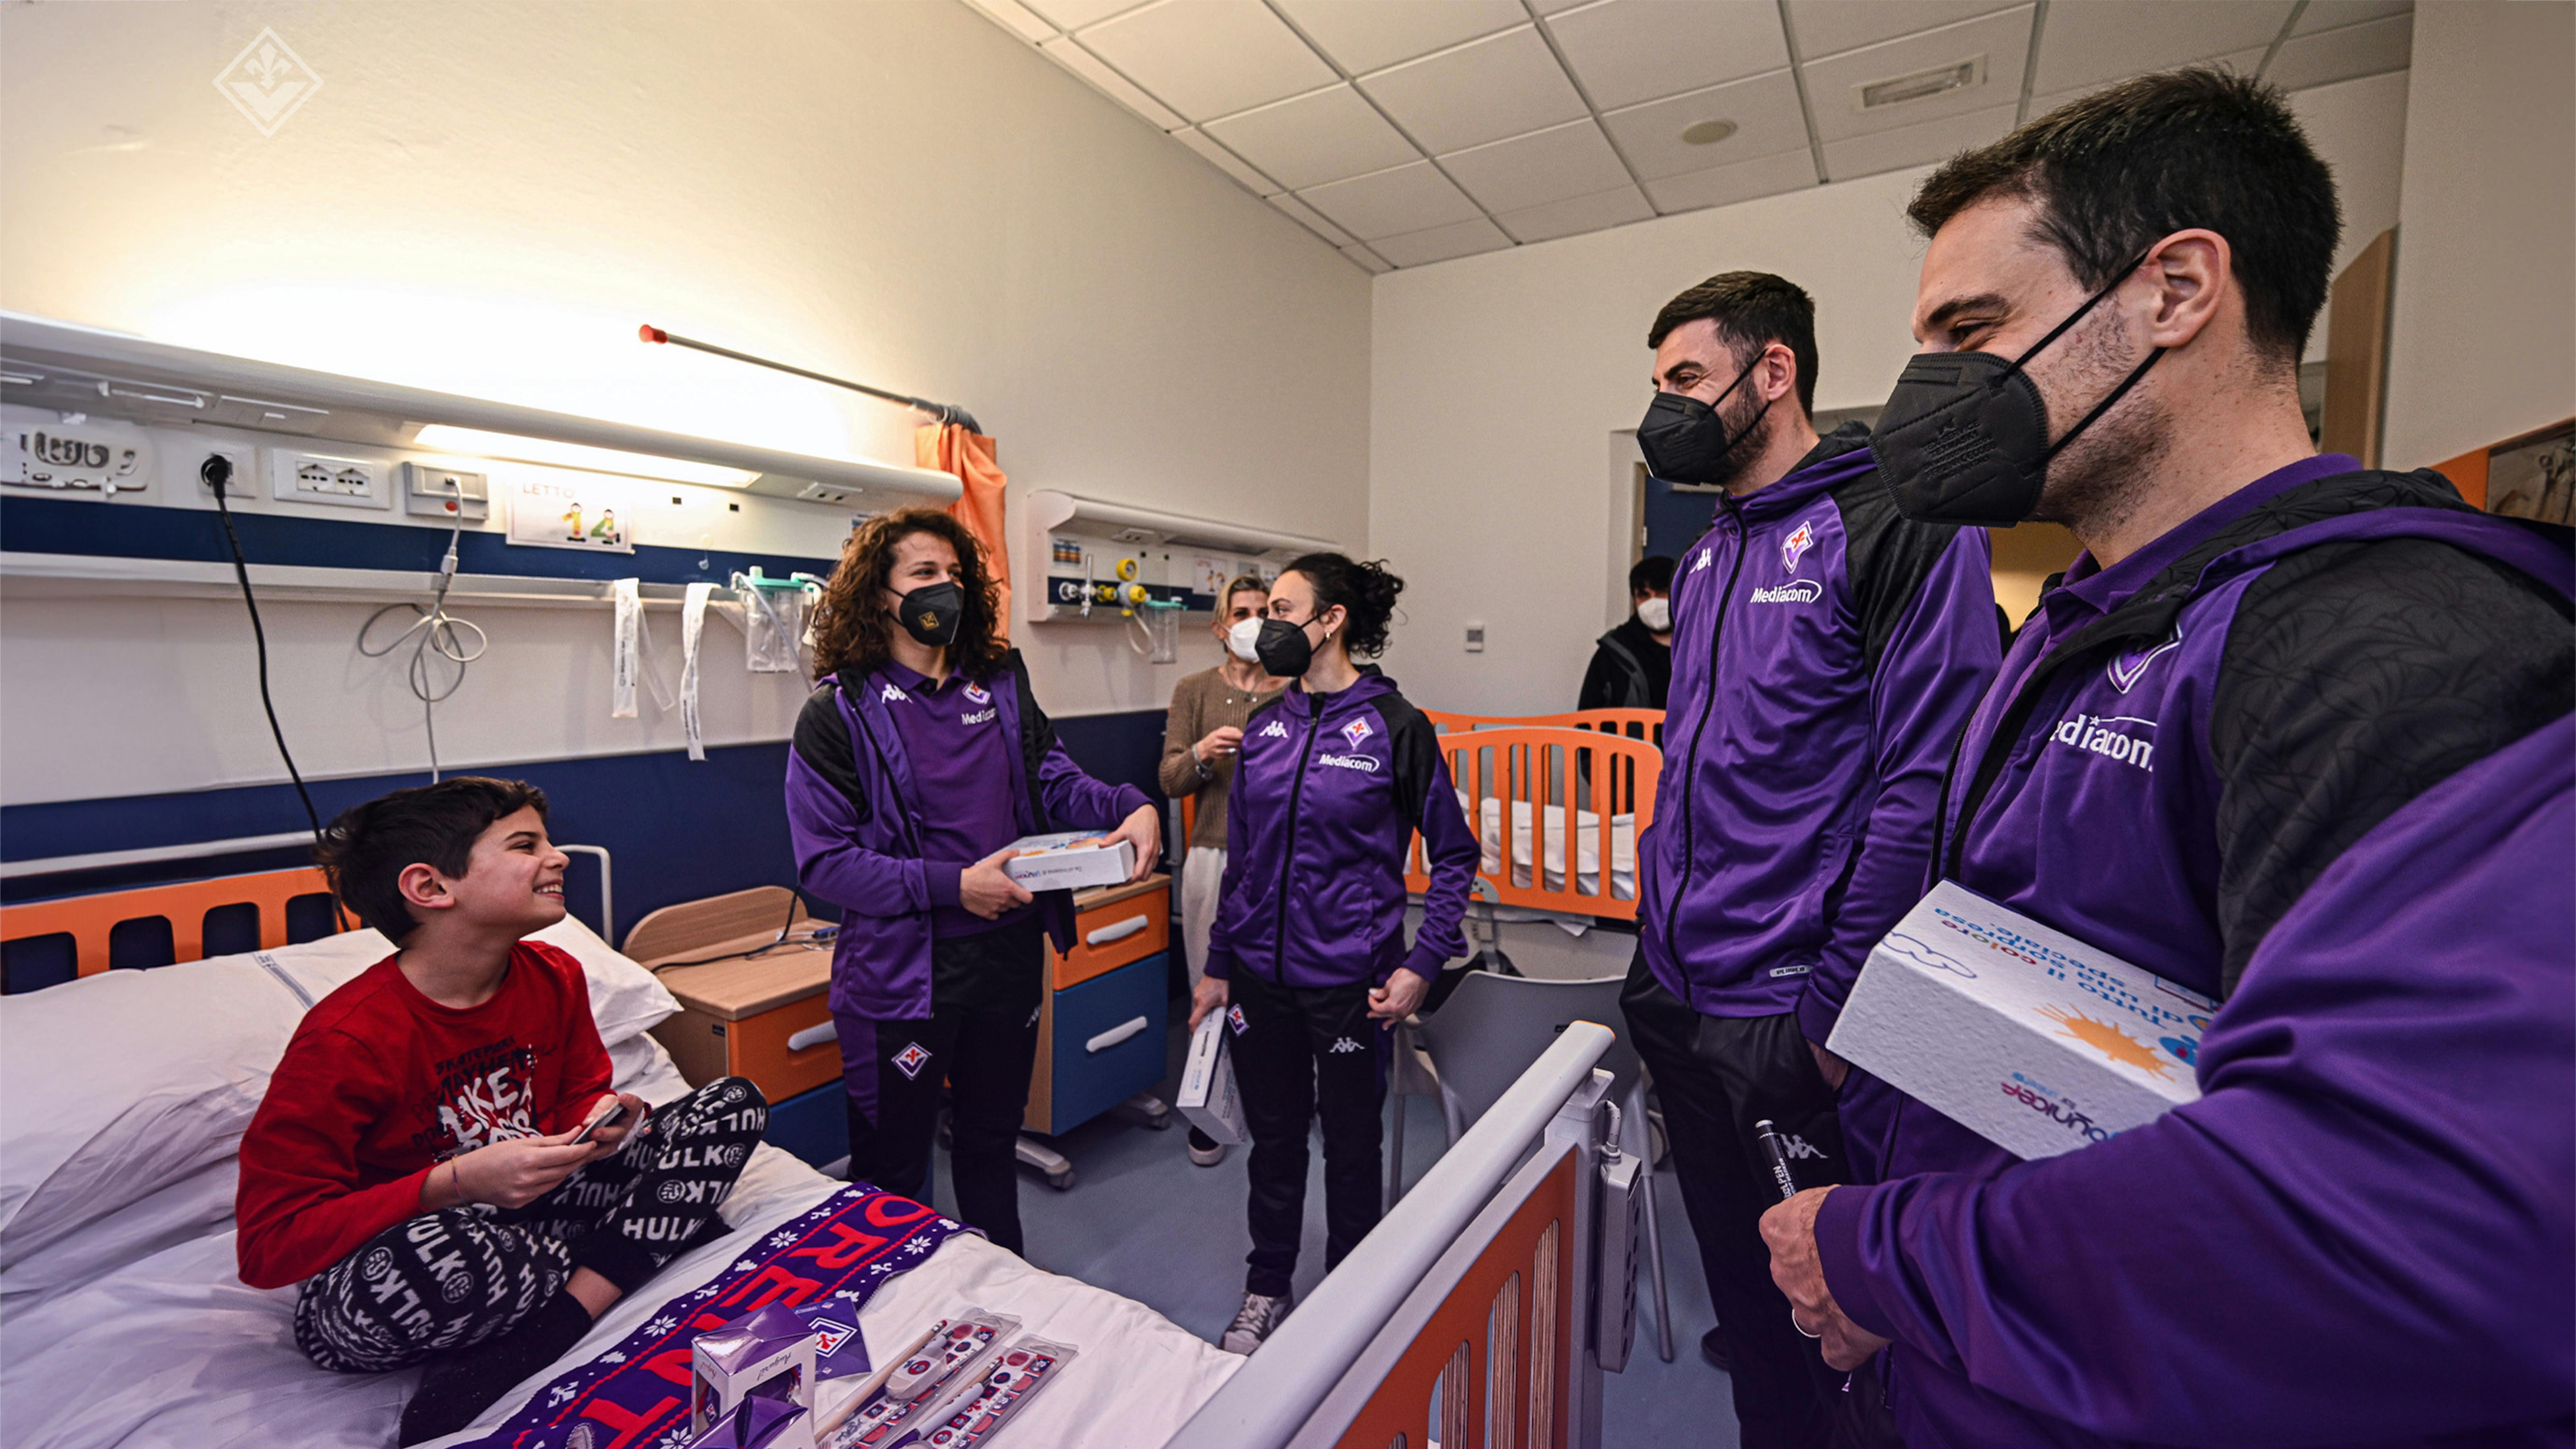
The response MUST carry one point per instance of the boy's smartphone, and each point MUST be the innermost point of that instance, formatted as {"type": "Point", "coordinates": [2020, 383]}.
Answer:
{"type": "Point", "coordinates": [610, 1118]}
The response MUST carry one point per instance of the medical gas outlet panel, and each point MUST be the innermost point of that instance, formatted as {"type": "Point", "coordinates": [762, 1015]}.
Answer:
{"type": "Point", "coordinates": [1084, 559]}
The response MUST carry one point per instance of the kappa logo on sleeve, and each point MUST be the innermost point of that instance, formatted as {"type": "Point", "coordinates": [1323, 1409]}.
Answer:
{"type": "Point", "coordinates": [1273, 731]}
{"type": "Point", "coordinates": [911, 1059]}
{"type": "Point", "coordinates": [1234, 1019]}
{"type": "Point", "coordinates": [1798, 542]}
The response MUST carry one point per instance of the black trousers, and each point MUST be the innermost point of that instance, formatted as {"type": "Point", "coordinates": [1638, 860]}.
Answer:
{"type": "Point", "coordinates": [981, 1041]}
{"type": "Point", "coordinates": [453, 1278]}
{"type": "Point", "coordinates": [1300, 1052]}
{"type": "Point", "coordinates": [1715, 1076]}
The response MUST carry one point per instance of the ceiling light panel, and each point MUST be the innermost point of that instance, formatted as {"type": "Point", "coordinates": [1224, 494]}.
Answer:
{"type": "Point", "coordinates": [1565, 161]}
{"type": "Point", "coordinates": [1577, 215]}
{"type": "Point", "coordinates": [1390, 203]}
{"type": "Point", "coordinates": [1629, 51]}
{"type": "Point", "coordinates": [1442, 244]}
{"type": "Point", "coordinates": [1485, 90]}
{"type": "Point", "coordinates": [2101, 40]}
{"type": "Point", "coordinates": [1321, 136]}
{"type": "Point", "coordinates": [1367, 35]}
{"type": "Point", "coordinates": [1995, 47]}
{"type": "Point", "coordinates": [1208, 58]}
{"type": "Point", "coordinates": [1764, 109]}
{"type": "Point", "coordinates": [2373, 48]}
{"type": "Point", "coordinates": [1830, 27]}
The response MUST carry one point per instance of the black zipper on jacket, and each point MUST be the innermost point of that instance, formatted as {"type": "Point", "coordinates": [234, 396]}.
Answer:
{"type": "Point", "coordinates": [1707, 702]}
{"type": "Point", "coordinates": [1288, 850]}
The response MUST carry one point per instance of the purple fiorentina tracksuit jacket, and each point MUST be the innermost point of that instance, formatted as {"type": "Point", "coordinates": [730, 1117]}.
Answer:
{"type": "Point", "coordinates": [1826, 652]}
{"type": "Point", "coordinates": [1327, 795]}
{"type": "Point", "coordinates": [854, 813]}
{"type": "Point", "coordinates": [2310, 752]}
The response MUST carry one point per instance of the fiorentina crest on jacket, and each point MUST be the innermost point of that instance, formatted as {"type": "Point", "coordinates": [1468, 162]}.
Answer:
{"type": "Point", "coordinates": [1800, 539]}
{"type": "Point", "coordinates": [1356, 731]}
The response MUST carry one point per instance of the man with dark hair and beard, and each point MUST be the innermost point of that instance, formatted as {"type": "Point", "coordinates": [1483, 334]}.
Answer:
{"type": "Point", "coordinates": [1825, 653]}
{"type": "Point", "coordinates": [2289, 733]}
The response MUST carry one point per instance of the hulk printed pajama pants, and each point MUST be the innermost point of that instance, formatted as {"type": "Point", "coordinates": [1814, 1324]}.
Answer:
{"type": "Point", "coordinates": [459, 1276]}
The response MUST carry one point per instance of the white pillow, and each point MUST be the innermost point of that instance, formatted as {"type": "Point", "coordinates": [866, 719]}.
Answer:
{"type": "Point", "coordinates": [114, 1085]}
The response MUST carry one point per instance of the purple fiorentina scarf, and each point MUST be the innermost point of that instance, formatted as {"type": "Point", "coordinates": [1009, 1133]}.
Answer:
{"type": "Point", "coordinates": [637, 1394]}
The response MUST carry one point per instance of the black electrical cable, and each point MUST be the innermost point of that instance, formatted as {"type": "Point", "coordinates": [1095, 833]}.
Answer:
{"type": "Point", "coordinates": [818, 934]}
{"type": "Point", "coordinates": [217, 470]}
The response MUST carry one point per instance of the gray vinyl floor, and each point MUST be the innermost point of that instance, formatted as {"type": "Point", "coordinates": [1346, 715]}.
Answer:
{"type": "Point", "coordinates": [1141, 1220]}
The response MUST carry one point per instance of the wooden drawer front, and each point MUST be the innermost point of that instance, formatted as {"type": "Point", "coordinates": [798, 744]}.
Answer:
{"type": "Point", "coordinates": [1128, 930]}
{"type": "Point", "coordinates": [1089, 1080]}
{"type": "Point", "coordinates": [756, 1047]}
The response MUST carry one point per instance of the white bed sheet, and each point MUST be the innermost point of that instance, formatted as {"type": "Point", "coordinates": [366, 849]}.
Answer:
{"type": "Point", "coordinates": [172, 1349]}
{"type": "Point", "coordinates": [1587, 847]}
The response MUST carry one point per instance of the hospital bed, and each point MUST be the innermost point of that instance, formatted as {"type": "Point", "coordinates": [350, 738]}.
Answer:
{"type": "Point", "coordinates": [1582, 790]}
{"type": "Point", "coordinates": [124, 1094]}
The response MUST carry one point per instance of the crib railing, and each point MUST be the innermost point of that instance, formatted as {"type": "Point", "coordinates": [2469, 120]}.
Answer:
{"type": "Point", "coordinates": [1558, 812]}
{"type": "Point", "coordinates": [1635, 724]}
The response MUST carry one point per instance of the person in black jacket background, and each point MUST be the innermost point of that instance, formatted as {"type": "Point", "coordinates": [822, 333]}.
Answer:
{"type": "Point", "coordinates": [1633, 668]}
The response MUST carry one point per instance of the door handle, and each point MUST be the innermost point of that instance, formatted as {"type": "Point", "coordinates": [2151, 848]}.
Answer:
{"type": "Point", "coordinates": [813, 1036]}
{"type": "Point", "coordinates": [1117, 931]}
{"type": "Point", "coordinates": [1114, 1035]}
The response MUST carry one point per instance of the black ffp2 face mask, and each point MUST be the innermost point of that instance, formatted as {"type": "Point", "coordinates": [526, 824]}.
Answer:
{"type": "Point", "coordinates": [1684, 439]}
{"type": "Point", "coordinates": [1964, 437]}
{"type": "Point", "coordinates": [931, 613]}
{"type": "Point", "coordinates": [1283, 648]}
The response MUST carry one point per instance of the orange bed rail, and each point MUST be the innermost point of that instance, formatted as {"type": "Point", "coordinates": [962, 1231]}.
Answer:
{"type": "Point", "coordinates": [90, 920]}
{"type": "Point", "coordinates": [1635, 724]}
{"type": "Point", "coordinates": [1559, 814]}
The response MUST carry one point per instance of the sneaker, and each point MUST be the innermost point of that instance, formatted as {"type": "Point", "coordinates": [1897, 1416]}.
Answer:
{"type": "Point", "coordinates": [1258, 1320]}
{"type": "Point", "coordinates": [1206, 1151]}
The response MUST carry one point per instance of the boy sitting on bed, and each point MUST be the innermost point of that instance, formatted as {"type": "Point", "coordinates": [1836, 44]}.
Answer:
{"type": "Point", "coordinates": [419, 1163]}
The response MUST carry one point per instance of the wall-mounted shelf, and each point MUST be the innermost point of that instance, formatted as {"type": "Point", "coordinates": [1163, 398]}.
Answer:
{"type": "Point", "coordinates": [1074, 546]}
{"type": "Point", "coordinates": [50, 364]}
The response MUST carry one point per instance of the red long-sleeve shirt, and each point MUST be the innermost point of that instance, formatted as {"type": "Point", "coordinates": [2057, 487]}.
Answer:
{"type": "Point", "coordinates": [380, 1084]}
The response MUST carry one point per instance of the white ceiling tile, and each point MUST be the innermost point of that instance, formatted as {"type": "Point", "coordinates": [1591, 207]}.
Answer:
{"type": "Point", "coordinates": [1209, 58]}
{"type": "Point", "coordinates": [1227, 162]}
{"type": "Point", "coordinates": [1627, 51]}
{"type": "Point", "coordinates": [1915, 145]}
{"type": "Point", "coordinates": [1575, 216]}
{"type": "Point", "coordinates": [1442, 243]}
{"type": "Point", "coordinates": [1073, 57]}
{"type": "Point", "coordinates": [1314, 138]}
{"type": "Point", "coordinates": [2370, 48]}
{"type": "Point", "coordinates": [1387, 203]}
{"type": "Point", "coordinates": [2335, 14]}
{"type": "Point", "coordinates": [1764, 110]}
{"type": "Point", "coordinates": [1311, 219]}
{"type": "Point", "coordinates": [1502, 85]}
{"type": "Point", "coordinates": [1365, 35]}
{"type": "Point", "coordinates": [1075, 14]}
{"type": "Point", "coordinates": [1574, 159]}
{"type": "Point", "coordinates": [2242, 62]}
{"type": "Point", "coordinates": [1550, 7]}
{"type": "Point", "coordinates": [1369, 261]}
{"type": "Point", "coordinates": [1999, 42]}
{"type": "Point", "coordinates": [1743, 181]}
{"type": "Point", "coordinates": [2090, 41]}
{"type": "Point", "coordinates": [1830, 27]}
{"type": "Point", "coordinates": [1016, 18]}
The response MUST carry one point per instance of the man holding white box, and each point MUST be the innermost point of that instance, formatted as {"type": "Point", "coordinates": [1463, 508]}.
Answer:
{"type": "Point", "coordinates": [2291, 735]}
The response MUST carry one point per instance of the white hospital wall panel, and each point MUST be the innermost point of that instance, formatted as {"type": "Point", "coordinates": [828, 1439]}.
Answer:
{"type": "Point", "coordinates": [487, 198]}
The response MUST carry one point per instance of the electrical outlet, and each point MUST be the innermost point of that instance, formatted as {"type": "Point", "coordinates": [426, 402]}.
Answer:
{"type": "Point", "coordinates": [1475, 638]}
{"type": "Point", "coordinates": [446, 492]}
{"type": "Point", "coordinates": [830, 493]}
{"type": "Point", "coordinates": [319, 478]}
{"type": "Point", "coordinates": [189, 464]}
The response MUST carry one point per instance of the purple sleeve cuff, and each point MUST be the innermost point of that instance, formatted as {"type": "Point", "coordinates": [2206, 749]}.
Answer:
{"type": "Point", "coordinates": [1422, 962]}
{"type": "Point", "coordinates": [1816, 1016]}
{"type": "Point", "coordinates": [1130, 800]}
{"type": "Point", "coordinates": [1838, 1223]}
{"type": "Point", "coordinates": [1220, 964]}
{"type": "Point", "coordinates": [939, 880]}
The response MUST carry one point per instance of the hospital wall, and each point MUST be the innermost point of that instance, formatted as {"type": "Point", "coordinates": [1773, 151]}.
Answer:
{"type": "Point", "coordinates": [486, 199]}
{"type": "Point", "coordinates": [1506, 389]}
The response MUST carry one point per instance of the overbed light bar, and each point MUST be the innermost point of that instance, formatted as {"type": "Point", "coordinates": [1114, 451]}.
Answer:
{"type": "Point", "coordinates": [511, 447]}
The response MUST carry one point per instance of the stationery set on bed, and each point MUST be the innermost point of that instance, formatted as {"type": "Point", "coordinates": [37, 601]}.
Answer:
{"type": "Point", "coordinates": [768, 1355]}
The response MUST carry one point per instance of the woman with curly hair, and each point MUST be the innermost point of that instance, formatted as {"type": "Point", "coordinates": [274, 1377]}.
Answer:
{"type": "Point", "coordinates": [919, 758]}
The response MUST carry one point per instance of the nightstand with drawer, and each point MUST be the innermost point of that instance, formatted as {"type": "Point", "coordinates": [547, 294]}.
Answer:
{"type": "Point", "coordinates": [1102, 1031]}
{"type": "Point", "coordinates": [761, 1014]}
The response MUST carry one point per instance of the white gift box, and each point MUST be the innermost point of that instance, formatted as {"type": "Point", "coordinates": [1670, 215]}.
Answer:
{"type": "Point", "coordinates": [2032, 1039]}
{"type": "Point", "coordinates": [1073, 860]}
{"type": "Point", "coordinates": [1207, 1096]}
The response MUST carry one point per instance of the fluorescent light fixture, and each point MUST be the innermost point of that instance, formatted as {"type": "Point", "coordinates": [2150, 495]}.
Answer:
{"type": "Point", "coordinates": [1921, 85]}
{"type": "Point", "coordinates": [475, 443]}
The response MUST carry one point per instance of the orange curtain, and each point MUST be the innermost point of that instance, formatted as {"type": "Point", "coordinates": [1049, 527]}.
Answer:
{"type": "Point", "coordinates": [969, 457]}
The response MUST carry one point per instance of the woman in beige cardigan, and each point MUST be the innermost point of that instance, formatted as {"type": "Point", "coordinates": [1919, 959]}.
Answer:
{"type": "Point", "coordinates": [1200, 738]}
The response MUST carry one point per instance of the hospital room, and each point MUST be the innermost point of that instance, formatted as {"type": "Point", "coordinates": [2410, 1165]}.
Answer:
{"type": "Point", "coordinates": [1287, 724]}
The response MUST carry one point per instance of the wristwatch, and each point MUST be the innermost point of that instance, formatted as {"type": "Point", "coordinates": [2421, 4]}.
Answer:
{"type": "Point", "coordinates": [1207, 771]}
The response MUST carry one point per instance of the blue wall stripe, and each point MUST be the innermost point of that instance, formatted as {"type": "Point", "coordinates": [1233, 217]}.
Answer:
{"type": "Point", "coordinates": [120, 530]}
{"type": "Point", "coordinates": [678, 831]}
